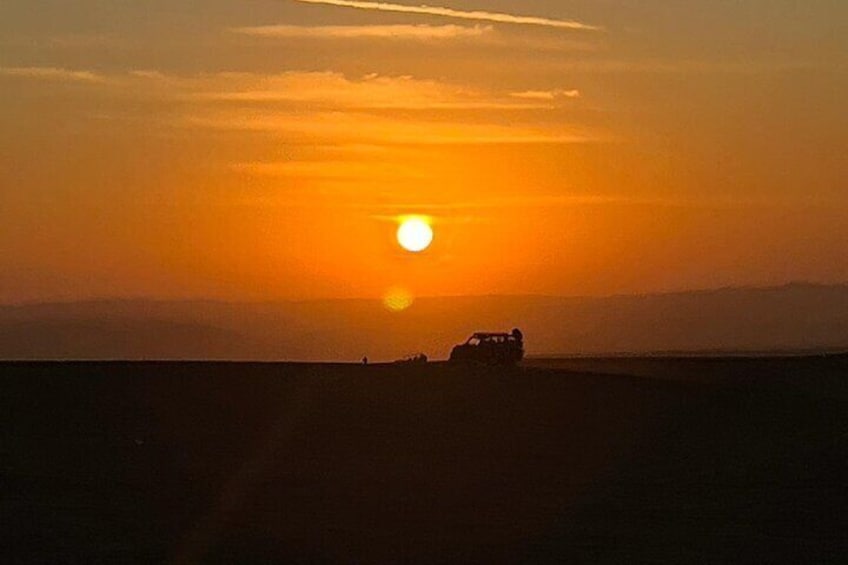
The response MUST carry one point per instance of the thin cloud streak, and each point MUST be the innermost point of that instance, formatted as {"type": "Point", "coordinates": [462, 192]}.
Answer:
{"type": "Point", "coordinates": [323, 89]}
{"type": "Point", "coordinates": [546, 94]}
{"type": "Point", "coordinates": [390, 212]}
{"type": "Point", "coordinates": [399, 32]}
{"type": "Point", "coordinates": [327, 107]}
{"type": "Point", "coordinates": [458, 14]}
{"type": "Point", "coordinates": [540, 201]}
{"type": "Point", "coordinates": [321, 170]}
{"type": "Point", "coordinates": [358, 129]}
{"type": "Point", "coordinates": [50, 73]}
{"type": "Point", "coordinates": [334, 90]}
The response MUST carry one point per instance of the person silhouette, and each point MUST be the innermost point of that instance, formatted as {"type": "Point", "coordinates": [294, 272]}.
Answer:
{"type": "Point", "coordinates": [365, 360]}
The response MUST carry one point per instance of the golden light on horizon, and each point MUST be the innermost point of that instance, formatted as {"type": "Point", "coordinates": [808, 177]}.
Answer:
{"type": "Point", "coordinates": [415, 234]}
{"type": "Point", "coordinates": [398, 299]}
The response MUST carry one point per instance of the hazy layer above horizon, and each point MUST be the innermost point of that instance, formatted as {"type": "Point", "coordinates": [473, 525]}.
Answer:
{"type": "Point", "coordinates": [787, 319]}
{"type": "Point", "coordinates": [265, 150]}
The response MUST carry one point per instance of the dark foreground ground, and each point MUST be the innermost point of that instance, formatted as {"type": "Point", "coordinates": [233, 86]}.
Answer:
{"type": "Point", "coordinates": [597, 461]}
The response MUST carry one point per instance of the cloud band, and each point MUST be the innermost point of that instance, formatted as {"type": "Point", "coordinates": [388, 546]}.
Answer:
{"type": "Point", "coordinates": [453, 13]}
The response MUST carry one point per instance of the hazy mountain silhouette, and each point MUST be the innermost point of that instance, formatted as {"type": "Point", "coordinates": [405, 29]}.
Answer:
{"type": "Point", "coordinates": [788, 318]}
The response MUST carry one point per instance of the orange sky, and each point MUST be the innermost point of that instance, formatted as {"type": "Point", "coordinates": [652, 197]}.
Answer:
{"type": "Point", "coordinates": [264, 149]}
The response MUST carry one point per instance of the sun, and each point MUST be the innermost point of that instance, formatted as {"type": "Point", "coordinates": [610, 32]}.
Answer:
{"type": "Point", "coordinates": [415, 234]}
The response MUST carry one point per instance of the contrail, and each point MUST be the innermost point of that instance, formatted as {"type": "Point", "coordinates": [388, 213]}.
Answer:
{"type": "Point", "coordinates": [451, 13]}
{"type": "Point", "coordinates": [420, 32]}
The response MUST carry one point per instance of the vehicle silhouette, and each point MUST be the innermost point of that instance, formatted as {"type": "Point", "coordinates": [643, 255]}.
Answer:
{"type": "Point", "coordinates": [490, 349]}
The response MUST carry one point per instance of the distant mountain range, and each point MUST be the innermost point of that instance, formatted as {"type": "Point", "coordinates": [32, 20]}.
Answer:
{"type": "Point", "coordinates": [796, 317]}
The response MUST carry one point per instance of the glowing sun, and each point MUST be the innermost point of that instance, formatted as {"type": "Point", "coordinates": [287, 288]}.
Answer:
{"type": "Point", "coordinates": [415, 234]}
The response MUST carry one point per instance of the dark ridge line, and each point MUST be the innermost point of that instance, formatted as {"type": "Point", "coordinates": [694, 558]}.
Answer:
{"type": "Point", "coordinates": [221, 301]}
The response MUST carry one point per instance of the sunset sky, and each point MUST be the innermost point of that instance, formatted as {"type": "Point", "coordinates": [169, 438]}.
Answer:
{"type": "Point", "coordinates": [265, 149]}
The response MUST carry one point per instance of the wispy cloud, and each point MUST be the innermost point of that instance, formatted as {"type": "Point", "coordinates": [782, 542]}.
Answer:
{"type": "Point", "coordinates": [528, 201]}
{"type": "Point", "coordinates": [399, 32]}
{"type": "Point", "coordinates": [309, 108]}
{"type": "Point", "coordinates": [51, 73]}
{"type": "Point", "coordinates": [683, 66]}
{"type": "Point", "coordinates": [546, 94]}
{"type": "Point", "coordinates": [328, 170]}
{"type": "Point", "coordinates": [453, 13]}
{"type": "Point", "coordinates": [324, 90]}
{"type": "Point", "coordinates": [356, 128]}
{"type": "Point", "coordinates": [334, 90]}
{"type": "Point", "coordinates": [149, 74]}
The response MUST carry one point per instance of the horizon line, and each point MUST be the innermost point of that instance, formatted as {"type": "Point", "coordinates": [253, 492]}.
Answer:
{"type": "Point", "coordinates": [645, 294]}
